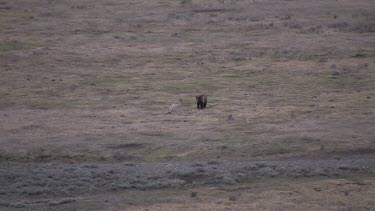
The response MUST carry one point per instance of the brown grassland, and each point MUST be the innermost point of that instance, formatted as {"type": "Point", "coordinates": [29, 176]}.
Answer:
{"type": "Point", "coordinates": [90, 82]}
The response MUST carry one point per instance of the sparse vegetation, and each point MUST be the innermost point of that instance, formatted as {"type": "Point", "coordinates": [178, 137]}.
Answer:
{"type": "Point", "coordinates": [13, 45]}
{"type": "Point", "coordinates": [353, 27]}
{"type": "Point", "coordinates": [62, 201]}
{"type": "Point", "coordinates": [89, 83]}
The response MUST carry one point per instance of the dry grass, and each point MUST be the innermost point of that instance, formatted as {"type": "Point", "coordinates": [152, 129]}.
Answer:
{"type": "Point", "coordinates": [89, 80]}
{"type": "Point", "coordinates": [77, 77]}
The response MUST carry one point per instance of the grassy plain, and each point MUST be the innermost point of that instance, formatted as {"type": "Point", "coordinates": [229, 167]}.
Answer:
{"type": "Point", "coordinates": [92, 81]}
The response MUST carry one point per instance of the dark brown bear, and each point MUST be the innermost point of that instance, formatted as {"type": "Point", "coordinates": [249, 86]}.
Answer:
{"type": "Point", "coordinates": [201, 101]}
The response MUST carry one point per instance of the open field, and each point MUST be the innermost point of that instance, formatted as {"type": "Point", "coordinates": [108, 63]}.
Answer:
{"type": "Point", "coordinates": [86, 85]}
